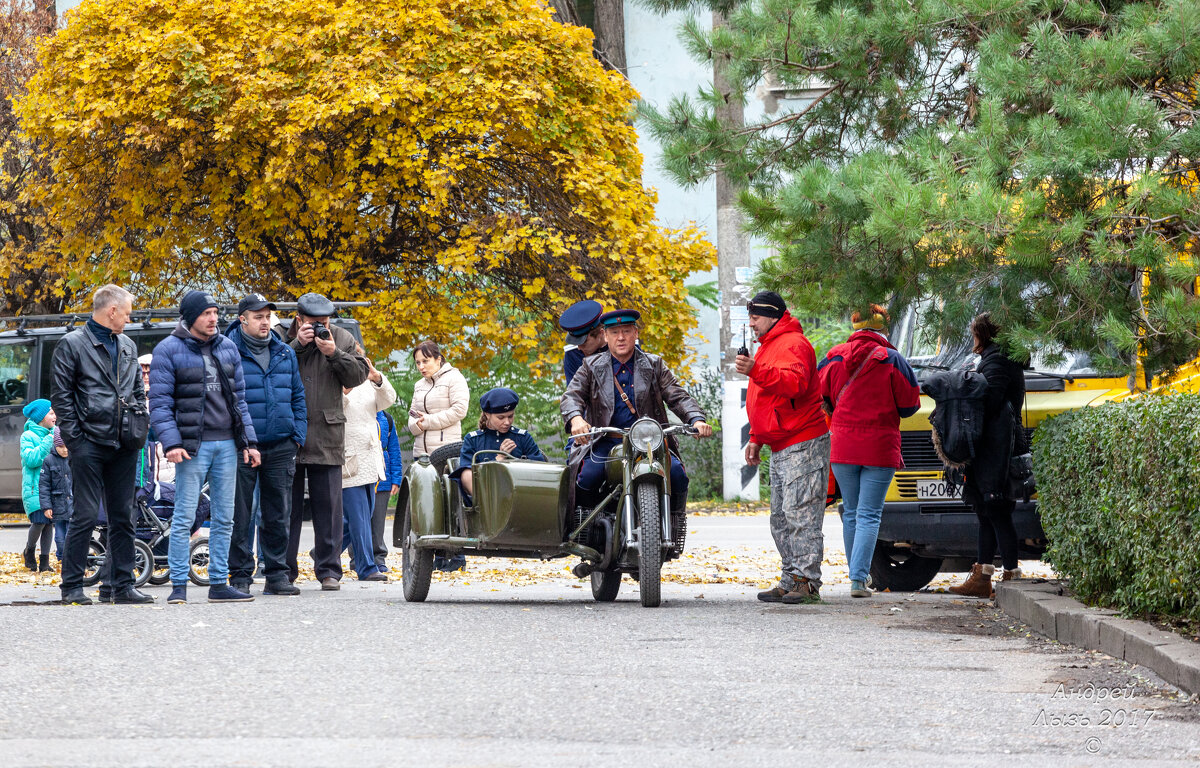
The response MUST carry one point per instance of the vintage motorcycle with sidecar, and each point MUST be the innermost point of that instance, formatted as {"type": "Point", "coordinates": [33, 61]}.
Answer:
{"type": "Point", "coordinates": [526, 509]}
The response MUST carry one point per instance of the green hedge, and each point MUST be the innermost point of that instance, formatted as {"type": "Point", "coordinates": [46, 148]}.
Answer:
{"type": "Point", "coordinates": [1119, 496]}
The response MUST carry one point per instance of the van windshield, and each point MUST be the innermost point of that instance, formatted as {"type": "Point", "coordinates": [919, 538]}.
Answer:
{"type": "Point", "coordinates": [941, 354]}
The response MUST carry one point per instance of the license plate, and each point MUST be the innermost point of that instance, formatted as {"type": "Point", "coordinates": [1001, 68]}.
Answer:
{"type": "Point", "coordinates": [937, 489]}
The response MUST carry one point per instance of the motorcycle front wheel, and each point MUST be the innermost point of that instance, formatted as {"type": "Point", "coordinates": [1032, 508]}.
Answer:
{"type": "Point", "coordinates": [649, 501]}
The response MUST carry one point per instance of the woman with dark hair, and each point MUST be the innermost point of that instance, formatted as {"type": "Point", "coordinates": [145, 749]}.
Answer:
{"type": "Point", "coordinates": [986, 482]}
{"type": "Point", "coordinates": [440, 401]}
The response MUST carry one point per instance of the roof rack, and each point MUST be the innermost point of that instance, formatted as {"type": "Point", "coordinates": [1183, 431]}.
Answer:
{"type": "Point", "coordinates": [146, 316]}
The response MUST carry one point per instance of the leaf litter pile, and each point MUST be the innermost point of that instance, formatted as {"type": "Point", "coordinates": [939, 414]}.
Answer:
{"type": "Point", "coordinates": [742, 565]}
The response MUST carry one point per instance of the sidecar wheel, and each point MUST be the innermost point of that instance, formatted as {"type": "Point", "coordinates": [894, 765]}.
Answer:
{"type": "Point", "coordinates": [649, 500]}
{"type": "Point", "coordinates": [606, 585]}
{"type": "Point", "coordinates": [417, 564]}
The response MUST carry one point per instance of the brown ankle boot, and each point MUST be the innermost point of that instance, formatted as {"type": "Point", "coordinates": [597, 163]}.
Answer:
{"type": "Point", "coordinates": [978, 584]}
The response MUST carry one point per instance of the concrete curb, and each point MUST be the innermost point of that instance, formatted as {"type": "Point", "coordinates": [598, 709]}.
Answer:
{"type": "Point", "coordinates": [1045, 607]}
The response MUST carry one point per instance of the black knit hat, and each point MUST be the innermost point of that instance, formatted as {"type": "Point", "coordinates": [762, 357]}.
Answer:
{"type": "Point", "coordinates": [767, 304]}
{"type": "Point", "coordinates": [194, 304]}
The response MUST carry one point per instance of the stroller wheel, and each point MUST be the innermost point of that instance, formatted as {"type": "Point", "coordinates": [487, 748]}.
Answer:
{"type": "Point", "coordinates": [160, 575]}
{"type": "Point", "coordinates": [143, 562]}
{"type": "Point", "coordinates": [198, 562]}
{"type": "Point", "coordinates": [95, 563]}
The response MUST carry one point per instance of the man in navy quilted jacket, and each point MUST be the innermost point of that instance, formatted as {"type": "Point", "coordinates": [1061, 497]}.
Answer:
{"type": "Point", "coordinates": [275, 398]}
{"type": "Point", "coordinates": [198, 410]}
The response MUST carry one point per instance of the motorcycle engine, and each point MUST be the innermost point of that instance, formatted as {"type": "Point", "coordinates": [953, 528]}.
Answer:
{"type": "Point", "coordinates": [678, 530]}
{"type": "Point", "coordinates": [594, 535]}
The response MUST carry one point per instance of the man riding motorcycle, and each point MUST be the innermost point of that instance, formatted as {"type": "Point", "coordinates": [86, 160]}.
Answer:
{"type": "Point", "coordinates": [614, 389]}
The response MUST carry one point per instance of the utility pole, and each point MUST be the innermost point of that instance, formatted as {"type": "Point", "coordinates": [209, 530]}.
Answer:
{"type": "Point", "coordinates": [740, 481]}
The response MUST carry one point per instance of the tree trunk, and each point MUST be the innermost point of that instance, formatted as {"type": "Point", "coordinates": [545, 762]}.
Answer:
{"type": "Point", "coordinates": [610, 34]}
{"type": "Point", "coordinates": [733, 256]}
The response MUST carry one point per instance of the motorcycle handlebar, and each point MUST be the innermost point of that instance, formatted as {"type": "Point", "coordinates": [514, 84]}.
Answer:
{"type": "Point", "coordinates": [676, 429]}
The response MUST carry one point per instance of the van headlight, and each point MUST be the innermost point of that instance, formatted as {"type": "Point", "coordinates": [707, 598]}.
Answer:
{"type": "Point", "coordinates": [646, 435]}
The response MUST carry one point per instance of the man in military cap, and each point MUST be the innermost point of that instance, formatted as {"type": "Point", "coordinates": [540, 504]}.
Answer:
{"type": "Point", "coordinates": [328, 363]}
{"type": "Point", "coordinates": [617, 387]}
{"type": "Point", "coordinates": [585, 336]}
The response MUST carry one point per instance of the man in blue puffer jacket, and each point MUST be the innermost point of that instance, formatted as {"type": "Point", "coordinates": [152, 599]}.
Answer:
{"type": "Point", "coordinates": [198, 411]}
{"type": "Point", "coordinates": [275, 397]}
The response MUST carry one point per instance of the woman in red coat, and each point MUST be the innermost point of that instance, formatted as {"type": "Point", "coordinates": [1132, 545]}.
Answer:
{"type": "Point", "coordinates": [869, 387]}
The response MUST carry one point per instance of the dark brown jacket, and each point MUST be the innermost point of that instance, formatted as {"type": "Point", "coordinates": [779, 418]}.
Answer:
{"type": "Point", "coordinates": [323, 379]}
{"type": "Point", "coordinates": [591, 395]}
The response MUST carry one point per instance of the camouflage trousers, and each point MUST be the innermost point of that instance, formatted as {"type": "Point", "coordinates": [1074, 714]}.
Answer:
{"type": "Point", "coordinates": [799, 482]}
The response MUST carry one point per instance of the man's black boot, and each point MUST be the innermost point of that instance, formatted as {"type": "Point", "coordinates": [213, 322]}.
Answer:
{"type": "Point", "coordinates": [76, 597]}
{"type": "Point", "coordinates": [132, 596]}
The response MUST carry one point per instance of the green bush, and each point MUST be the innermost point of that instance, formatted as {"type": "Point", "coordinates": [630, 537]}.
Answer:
{"type": "Point", "coordinates": [1119, 495]}
{"type": "Point", "coordinates": [703, 457]}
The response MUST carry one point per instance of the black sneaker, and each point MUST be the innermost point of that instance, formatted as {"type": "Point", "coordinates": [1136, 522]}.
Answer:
{"type": "Point", "coordinates": [105, 597]}
{"type": "Point", "coordinates": [132, 596]}
{"type": "Point", "coordinates": [178, 594]}
{"type": "Point", "coordinates": [241, 586]}
{"type": "Point", "coordinates": [223, 593]}
{"type": "Point", "coordinates": [76, 597]}
{"type": "Point", "coordinates": [280, 588]}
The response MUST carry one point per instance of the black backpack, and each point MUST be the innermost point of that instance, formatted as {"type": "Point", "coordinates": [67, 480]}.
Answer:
{"type": "Point", "coordinates": [958, 416]}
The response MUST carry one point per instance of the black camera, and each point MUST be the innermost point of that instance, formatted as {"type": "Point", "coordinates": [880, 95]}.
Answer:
{"type": "Point", "coordinates": [321, 332]}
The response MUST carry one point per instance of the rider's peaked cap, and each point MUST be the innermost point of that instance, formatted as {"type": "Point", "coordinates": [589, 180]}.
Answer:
{"type": "Point", "coordinates": [315, 305]}
{"type": "Point", "coordinates": [579, 320]}
{"type": "Point", "coordinates": [620, 317]}
{"type": "Point", "coordinates": [499, 400]}
{"type": "Point", "coordinates": [767, 304]}
{"type": "Point", "coordinates": [253, 303]}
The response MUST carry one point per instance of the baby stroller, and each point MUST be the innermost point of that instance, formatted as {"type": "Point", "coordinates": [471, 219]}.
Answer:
{"type": "Point", "coordinates": [152, 531]}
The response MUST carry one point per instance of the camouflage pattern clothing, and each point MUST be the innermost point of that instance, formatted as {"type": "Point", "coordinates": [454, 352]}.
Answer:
{"type": "Point", "coordinates": [799, 481]}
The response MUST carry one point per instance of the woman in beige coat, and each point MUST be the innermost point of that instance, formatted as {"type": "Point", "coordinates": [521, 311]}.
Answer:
{"type": "Point", "coordinates": [440, 401]}
{"type": "Point", "coordinates": [363, 468]}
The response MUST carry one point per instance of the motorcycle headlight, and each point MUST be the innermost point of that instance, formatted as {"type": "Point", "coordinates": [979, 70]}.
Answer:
{"type": "Point", "coordinates": [646, 435]}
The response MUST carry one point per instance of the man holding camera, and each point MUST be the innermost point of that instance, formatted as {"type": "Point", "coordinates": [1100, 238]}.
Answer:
{"type": "Point", "coordinates": [328, 364]}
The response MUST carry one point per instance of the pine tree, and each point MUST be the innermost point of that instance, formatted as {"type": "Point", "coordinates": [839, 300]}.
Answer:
{"type": "Point", "coordinates": [1037, 159]}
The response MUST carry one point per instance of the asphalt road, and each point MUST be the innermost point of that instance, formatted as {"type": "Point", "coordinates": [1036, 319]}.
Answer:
{"type": "Point", "coordinates": [487, 673]}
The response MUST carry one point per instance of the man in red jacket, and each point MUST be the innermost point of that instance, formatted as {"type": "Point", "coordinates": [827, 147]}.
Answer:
{"type": "Point", "coordinates": [784, 407]}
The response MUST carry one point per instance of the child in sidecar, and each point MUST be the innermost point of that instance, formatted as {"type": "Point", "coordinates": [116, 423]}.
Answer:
{"type": "Point", "coordinates": [496, 432]}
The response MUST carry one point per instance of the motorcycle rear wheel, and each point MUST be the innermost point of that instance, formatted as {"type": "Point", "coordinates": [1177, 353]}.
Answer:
{"type": "Point", "coordinates": [606, 585]}
{"type": "Point", "coordinates": [649, 501]}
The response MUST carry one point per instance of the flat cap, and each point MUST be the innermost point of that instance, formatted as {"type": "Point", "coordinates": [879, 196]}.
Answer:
{"type": "Point", "coordinates": [315, 305]}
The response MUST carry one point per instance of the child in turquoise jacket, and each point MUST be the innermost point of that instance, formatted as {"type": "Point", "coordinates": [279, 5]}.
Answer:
{"type": "Point", "coordinates": [36, 443]}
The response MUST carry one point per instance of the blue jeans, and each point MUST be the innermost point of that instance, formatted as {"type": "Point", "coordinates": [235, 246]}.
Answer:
{"type": "Point", "coordinates": [60, 536]}
{"type": "Point", "coordinates": [863, 490]}
{"type": "Point", "coordinates": [358, 503]}
{"type": "Point", "coordinates": [217, 461]}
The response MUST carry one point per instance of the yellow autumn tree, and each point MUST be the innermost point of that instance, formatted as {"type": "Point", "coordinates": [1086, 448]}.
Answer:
{"type": "Point", "coordinates": [467, 167]}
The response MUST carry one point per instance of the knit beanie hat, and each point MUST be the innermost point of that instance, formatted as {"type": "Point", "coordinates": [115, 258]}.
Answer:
{"type": "Point", "coordinates": [877, 321]}
{"type": "Point", "coordinates": [36, 410]}
{"type": "Point", "coordinates": [194, 304]}
{"type": "Point", "coordinates": [58, 441]}
{"type": "Point", "coordinates": [767, 304]}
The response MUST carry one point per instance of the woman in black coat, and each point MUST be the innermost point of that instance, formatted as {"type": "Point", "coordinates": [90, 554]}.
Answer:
{"type": "Point", "coordinates": [986, 483]}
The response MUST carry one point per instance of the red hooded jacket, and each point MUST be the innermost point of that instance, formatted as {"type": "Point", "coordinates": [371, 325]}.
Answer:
{"type": "Point", "coordinates": [783, 401]}
{"type": "Point", "coordinates": [866, 414]}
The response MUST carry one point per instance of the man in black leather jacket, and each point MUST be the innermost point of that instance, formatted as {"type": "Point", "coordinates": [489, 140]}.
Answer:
{"type": "Point", "coordinates": [94, 369]}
